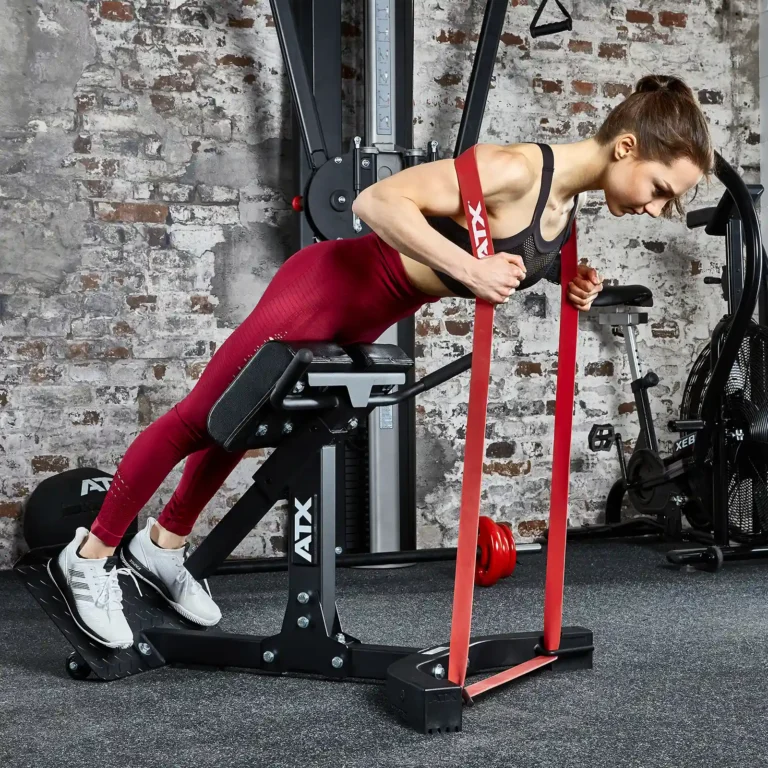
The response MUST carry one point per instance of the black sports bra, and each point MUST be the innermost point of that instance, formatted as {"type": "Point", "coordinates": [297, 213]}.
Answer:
{"type": "Point", "coordinates": [541, 257]}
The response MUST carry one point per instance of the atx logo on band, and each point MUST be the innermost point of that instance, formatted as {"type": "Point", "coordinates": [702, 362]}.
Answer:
{"type": "Point", "coordinates": [478, 230]}
{"type": "Point", "coordinates": [302, 529]}
{"type": "Point", "coordinates": [97, 484]}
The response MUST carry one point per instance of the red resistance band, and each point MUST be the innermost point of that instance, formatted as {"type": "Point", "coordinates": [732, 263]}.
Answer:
{"type": "Point", "coordinates": [482, 341]}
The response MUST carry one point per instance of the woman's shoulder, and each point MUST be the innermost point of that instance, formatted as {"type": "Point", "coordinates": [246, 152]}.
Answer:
{"type": "Point", "coordinates": [510, 170]}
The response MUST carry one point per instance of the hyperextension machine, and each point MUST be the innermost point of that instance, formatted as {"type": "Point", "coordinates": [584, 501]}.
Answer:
{"type": "Point", "coordinates": [302, 399]}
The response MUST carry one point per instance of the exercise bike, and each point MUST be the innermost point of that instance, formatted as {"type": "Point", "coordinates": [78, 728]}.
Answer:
{"type": "Point", "coordinates": [716, 477]}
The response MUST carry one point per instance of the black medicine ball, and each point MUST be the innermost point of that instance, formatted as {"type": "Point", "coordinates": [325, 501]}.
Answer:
{"type": "Point", "coordinates": [63, 503]}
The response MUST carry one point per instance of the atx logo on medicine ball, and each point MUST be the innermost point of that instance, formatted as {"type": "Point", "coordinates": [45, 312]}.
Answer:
{"type": "Point", "coordinates": [95, 485]}
{"type": "Point", "coordinates": [63, 503]}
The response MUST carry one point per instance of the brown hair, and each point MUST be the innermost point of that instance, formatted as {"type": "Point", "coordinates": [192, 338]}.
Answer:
{"type": "Point", "coordinates": [668, 123]}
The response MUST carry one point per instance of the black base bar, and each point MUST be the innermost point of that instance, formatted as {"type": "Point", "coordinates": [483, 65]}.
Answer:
{"type": "Point", "coordinates": [270, 564]}
{"type": "Point", "coordinates": [709, 557]}
{"type": "Point", "coordinates": [635, 527]}
{"type": "Point", "coordinates": [334, 658]}
{"type": "Point", "coordinates": [642, 526]}
{"type": "Point", "coordinates": [418, 690]}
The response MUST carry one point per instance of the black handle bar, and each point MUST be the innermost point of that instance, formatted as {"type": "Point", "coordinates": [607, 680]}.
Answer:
{"type": "Point", "coordinates": [700, 218]}
{"type": "Point", "coordinates": [716, 219]}
{"type": "Point", "coordinates": [540, 30]}
{"type": "Point", "coordinates": [289, 378]}
{"type": "Point", "coordinates": [430, 381]}
{"type": "Point", "coordinates": [742, 199]}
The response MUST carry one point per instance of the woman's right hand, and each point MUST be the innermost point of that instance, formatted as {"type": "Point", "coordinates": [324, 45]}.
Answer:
{"type": "Point", "coordinates": [495, 278]}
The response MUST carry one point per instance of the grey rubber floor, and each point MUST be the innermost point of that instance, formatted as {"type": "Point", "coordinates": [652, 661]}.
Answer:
{"type": "Point", "coordinates": [680, 678]}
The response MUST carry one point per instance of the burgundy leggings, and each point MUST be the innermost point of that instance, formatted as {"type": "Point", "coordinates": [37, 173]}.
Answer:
{"type": "Point", "coordinates": [346, 291]}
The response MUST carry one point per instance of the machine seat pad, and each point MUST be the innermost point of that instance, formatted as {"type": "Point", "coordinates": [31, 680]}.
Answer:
{"type": "Point", "coordinates": [379, 357]}
{"type": "Point", "coordinates": [627, 295]}
{"type": "Point", "coordinates": [237, 412]}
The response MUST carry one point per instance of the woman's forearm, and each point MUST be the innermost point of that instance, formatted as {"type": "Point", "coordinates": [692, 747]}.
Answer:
{"type": "Point", "coordinates": [400, 223]}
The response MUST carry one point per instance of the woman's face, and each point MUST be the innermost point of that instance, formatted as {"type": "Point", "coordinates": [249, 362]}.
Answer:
{"type": "Point", "coordinates": [634, 186]}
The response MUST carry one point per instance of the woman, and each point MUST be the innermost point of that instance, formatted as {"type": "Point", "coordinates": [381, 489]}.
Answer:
{"type": "Point", "coordinates": [652, 149]}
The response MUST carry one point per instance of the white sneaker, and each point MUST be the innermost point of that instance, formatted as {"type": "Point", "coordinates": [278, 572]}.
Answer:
{"type": "Point", "coordinates": [91, 590]}
{"type": "Point", "coordinates": [164, 570]}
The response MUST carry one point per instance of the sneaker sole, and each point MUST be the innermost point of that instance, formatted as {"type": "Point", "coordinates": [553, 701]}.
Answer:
{"type": "Point", "coordinates": [180, 609]}
{"type": "Point", "coordinates": [82, 627]}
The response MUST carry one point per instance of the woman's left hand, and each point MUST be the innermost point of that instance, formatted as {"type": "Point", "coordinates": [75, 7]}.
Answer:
{"type": "Point", "coordinates": [583, 289]}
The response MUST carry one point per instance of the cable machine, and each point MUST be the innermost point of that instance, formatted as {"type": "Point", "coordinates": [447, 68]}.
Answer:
{"type": "Point", "coordinates": [376, 506]}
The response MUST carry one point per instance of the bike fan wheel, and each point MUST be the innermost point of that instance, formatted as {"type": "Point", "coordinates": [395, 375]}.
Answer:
{"type": "Point", "coordinates": [745, 412]}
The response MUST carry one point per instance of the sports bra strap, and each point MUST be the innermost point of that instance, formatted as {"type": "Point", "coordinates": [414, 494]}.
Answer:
{"type": "Point", "coordinates": [549, 157]}
{"type": "Point", "coordinates": [546, 181]}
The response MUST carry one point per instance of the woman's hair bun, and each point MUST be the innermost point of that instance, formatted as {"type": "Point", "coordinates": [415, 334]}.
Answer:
{"type": "Point", "coordinates": [653, 83]}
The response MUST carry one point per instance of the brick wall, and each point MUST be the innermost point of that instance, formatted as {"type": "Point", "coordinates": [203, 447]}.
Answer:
{"type": "Point", "coordinates": [145, 185]}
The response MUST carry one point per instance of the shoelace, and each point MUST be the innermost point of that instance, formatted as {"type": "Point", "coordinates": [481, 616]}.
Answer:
{"type": "Point", "coordinates": [110, 594]}
{"type": "Point", "coordinates": [188, 583]}
{"type": "Point", "coordinates": [185, 579]}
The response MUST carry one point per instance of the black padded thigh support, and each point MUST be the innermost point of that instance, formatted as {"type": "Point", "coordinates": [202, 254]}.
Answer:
{"type": "Point", "coordinates": [379, 357]}
{"type": "Point", "coordinates": [231, 420]}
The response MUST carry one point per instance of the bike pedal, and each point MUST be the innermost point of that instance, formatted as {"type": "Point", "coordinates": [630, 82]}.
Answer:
{"type": "Point", "coordinates": [601, 437]}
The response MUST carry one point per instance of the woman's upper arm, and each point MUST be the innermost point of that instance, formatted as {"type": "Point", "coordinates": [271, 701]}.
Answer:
{"type": "Point", "coordinates": [505, 176]}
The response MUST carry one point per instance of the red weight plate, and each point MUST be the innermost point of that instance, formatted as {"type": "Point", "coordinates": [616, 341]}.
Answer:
{"type": "Point", "coordinates": [483, 554]}
{"type": "Point", "coordinates": [489, 539]}
{"type": "Point", "coordinates": [504, 551]}
{"type": "Point", "coordinates": [512, 558]}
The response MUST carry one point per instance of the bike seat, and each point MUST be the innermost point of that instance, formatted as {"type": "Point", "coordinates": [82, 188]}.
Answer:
{"type": "Point", "coordinates": [628, 295]}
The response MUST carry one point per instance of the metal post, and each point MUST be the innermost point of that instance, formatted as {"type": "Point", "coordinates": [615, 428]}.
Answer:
{"type": "Point", "coordinates": [380, 108]}
{"type": "Point", "coordinates": [630, 344]}
{"type": "Point", "coordinates": [381, 124]}
{"type": "Point", "coordinates": [312, 535]}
